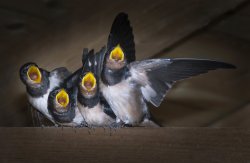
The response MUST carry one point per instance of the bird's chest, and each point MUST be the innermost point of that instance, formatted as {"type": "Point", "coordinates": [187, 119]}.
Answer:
{"type": "Point", "coordinates": [78, 117]}
{"type": "Point", "coordinates": [95, 116]}
{"type": "Point", "coordinates": [40, 103]}
{"type": "Point", "coordinates": [125, 100]}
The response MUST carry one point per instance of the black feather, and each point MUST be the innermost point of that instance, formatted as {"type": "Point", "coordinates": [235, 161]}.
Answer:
{"type": "Point", "coordinates": [92, 64]}
{"type": "Point", "coordinates": [73, 79]}
{"type": "Point", "coordinates": [89, 65]}
{"type": "Point", "coordinates": [162, 73]}
{"type": "Point", "coordinates": [99, 58]}
{"type": "Point", "coordinates": [121, 33]}
{"type": "Point", "coordinates": [111, 77]}
{"type": "Point", "coordinates": [184, 68]}
{"type": "Point", "coordinates": [85, 53]}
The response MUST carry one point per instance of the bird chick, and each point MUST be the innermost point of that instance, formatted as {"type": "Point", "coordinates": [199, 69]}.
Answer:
{"type": "Point", "coordinates": [39, 83]}
{"type": "Point", "coordinates": [62, 104]}
{"type": "Point", "coordinates": [92, 105]}
{"type": "Point", "coordinates": [128, 85]}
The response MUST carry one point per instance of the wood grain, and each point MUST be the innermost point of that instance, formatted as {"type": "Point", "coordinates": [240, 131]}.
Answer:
{"type": "Point", "coordinates": [204, 99]}
{"type": "Point", "coordinates": [239, 117]}
{"type": "Point", "coordinates": [125, 145]}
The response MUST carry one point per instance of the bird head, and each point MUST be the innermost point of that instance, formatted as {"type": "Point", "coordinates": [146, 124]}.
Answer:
{"type": "Point", "coordinates": [61, 104]}
{"type": "Point", "coordinates": [120, 46]}
{"type": "Point", "coordinates": [88, 85]}
{"type": "Point", "coordinates": [116, 58]}
{"type": "Point", "coordinates": [31, 74]}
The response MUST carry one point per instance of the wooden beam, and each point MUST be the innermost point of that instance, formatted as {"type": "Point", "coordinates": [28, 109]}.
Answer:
{"type": "Point", "coordinates": [124, 145]}
{"type": "Point", "coordinates": [238, 117]}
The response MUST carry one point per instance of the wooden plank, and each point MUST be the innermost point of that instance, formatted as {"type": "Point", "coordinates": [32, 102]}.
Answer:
{"type": "Point", "coordinates": [55, 36]}
{"type": "Point", "coordinates": [202, 100]}
{"type": "Point", "coordinates": [125, 145]}
{"type": "Point", "coordinates": [240, 117]}
{"type": "Point", "coordinates": [231, 25]}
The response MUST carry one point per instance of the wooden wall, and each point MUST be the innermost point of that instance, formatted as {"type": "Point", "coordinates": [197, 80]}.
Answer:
{"type": "Point", "coordinates": [52, 33]}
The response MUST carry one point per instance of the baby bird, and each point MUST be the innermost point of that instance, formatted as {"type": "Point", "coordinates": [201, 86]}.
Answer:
{"type": "Point", "coordinates": [127, 84]}
{"type": "Point", "coordinates": [92, 105]}
{"type": "Point", "coordinates": [39, 83]}
{"type": "Point", "coordinates": [62, 104]}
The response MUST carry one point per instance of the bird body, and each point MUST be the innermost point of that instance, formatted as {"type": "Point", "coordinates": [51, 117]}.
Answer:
{"type": "Point", "coordinates": [39, 83]}
{"type": "Point", "coordinates": [96, 116]}
{"type": "Point", "coordinates": [41, 102]}
{"type": "Point", "coordinates": [148, 81]}
{"type": "Point", "coordinates": [92, 105]}
{"type": "Point", "coordinates": [125, 98]}
{"type": "Point", "coordinates": [62, 105]}
{"type": "Point", "coordinates": [78, 119]}
{"type": "Point", "coordinates": [128, 85]}
{"type": "Point", "coordinates": [118, 88]}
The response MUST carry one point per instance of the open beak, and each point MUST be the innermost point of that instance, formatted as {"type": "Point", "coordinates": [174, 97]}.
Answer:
{"type": "Point", "coordinates": [89, 81]}
{"type": "Point", "coordinates": [117, 54]}
{"type": "Point", "coordinates": [62, 98]}
{"type": "Point", "coordinates": [34, 74]}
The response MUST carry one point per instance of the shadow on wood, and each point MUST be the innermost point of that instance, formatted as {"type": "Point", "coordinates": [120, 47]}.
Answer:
{"type": "Point", "coordinates": [124, 145]}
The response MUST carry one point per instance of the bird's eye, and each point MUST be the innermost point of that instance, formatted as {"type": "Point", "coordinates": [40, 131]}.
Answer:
{"type": "Point", "coordinates": [117, 54]}
{"type": "Point", "coordinates": [62, 98]}
{"type": "Point", "coordinates": [34, 74]}
{"type": "Point", "coordinates": [89, 81]}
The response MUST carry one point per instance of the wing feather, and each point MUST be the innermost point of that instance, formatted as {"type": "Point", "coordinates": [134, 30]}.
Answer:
{"type": "Point", "coordinates": [121, 33]}
{"type": "Point", "coordinates": [156, 76]}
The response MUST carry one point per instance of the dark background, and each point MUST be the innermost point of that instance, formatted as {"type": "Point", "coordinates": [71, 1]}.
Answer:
{"type": "Point", "coordinates": [53, 33]}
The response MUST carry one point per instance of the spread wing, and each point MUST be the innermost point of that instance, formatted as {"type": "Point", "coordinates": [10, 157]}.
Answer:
{"type": "Point", "coordinates": [156, 76]}
{"type": "Point", "coordinates": [121, 33]}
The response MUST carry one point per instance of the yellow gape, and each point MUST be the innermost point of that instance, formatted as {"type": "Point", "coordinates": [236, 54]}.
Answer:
{"type": "Point", "coordinates": [89, 81]}
{"type": "Point", "coordinates": [34, 74]}
{"type": "Point", "coordinates": [117, 54]}
{"type": "Point", "coordinates": [62, 98]}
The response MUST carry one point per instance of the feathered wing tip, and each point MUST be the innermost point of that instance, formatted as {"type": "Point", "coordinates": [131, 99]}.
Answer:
{"type": "Point", "coordinates": [85, 53]}
{"type": "Point", "coordinates": [99, 59]}
{"type": "Point", "coordinates": [73, 79]}
{"type": "Point", "coordinates": [121, 33]}
{"type": "Point", "coordinates": [160, 74]}
{"type": "Point", "coordinates": [90, 64]}
{"type": "Point", "coordinates": [182, 68]}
